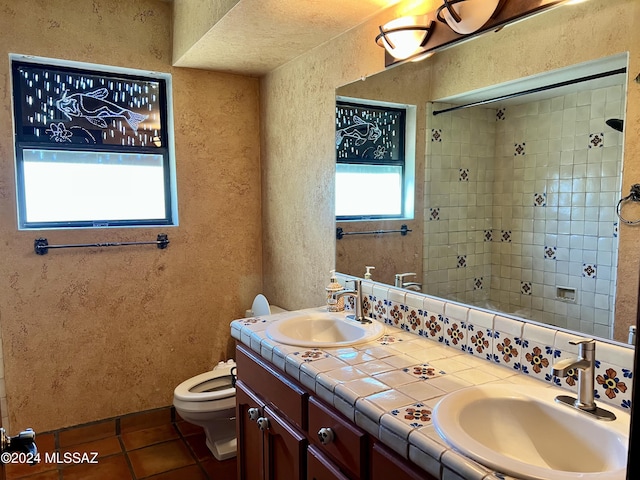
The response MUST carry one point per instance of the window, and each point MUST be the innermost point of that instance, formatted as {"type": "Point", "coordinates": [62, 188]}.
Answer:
{"type": "Point", "coordinates": [374, 179]}
{"type": "Point", "coordinates": [92, 146]}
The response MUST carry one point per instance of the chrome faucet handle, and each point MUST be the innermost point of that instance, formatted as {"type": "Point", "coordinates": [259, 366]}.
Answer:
{"type": "Point", "coordinates": [582, 341]}
{"type": "Point", "coordinates": [585, 344]}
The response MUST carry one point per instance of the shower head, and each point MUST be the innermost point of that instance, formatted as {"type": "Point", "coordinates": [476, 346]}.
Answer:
{"type": "Point", "coordinates": [615, 123]}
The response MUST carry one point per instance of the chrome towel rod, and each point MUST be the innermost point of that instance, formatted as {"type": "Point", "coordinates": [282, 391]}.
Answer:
{"type": "Point", "coordinates": [341, 233]}
{"type": "Point", "coordinates": [41, 245]}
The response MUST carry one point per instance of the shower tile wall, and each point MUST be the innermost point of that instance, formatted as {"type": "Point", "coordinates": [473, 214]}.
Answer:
{"type": "Point", "coordinates": [526, 196]}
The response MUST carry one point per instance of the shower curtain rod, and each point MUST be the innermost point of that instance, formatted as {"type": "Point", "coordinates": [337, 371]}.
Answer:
{"type": "Point", "coordinates": [534, 90]}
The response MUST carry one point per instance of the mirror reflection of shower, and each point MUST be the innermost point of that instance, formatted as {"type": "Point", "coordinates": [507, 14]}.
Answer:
{"type": "Point", "coordinates": [520, 199]}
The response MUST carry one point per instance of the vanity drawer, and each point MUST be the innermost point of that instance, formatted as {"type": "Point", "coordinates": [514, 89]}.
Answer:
{"type": "Point", "coordinates": [273, 386]}
{"type": "Point", "coordinates": [348, 447]}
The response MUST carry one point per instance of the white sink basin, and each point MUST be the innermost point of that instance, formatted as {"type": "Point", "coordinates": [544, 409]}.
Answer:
{"type": "Point", "coordinates": [522, 431]}
{"type": "Point", "coordinates": [323, 329]}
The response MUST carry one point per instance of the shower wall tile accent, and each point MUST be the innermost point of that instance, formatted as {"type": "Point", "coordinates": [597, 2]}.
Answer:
{"type": "Point", "coordinates": [516, 194]}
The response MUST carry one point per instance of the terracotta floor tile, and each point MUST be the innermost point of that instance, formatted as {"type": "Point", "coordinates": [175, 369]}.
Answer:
{"type": "Point", "coordinates": [104, 448]}
{"type": "Point", "coordinates": [160, 458]}
{"type": "Point", "coordinates": [88, 433]}
{"type": "Point", "coordinates": [225, 470]}
{"type": "Point", "coordinates": [192, 472]}
{"type": "Point", "coordinates": [149, 436]}
{"type": "Point", "coordinates": [114, 467]}
{"type": "Point", "coordinates": [142, 421]}
{"type": "Point", "coordinates": [187, 428]}
{"type": "Point", "coordinates": [45, 444]}
{"type": "Point", "coordinates": [198, 446]}
{"type": "Point", "coordinates": [50, 475]}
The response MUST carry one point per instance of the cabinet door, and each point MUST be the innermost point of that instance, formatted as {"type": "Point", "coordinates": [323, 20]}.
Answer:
{"type": "Point", "coordinates": [320, 467]}
{"type": "Point", "coordinates": [347, 445]}
{"type": "Point", "coordinates": [387, 464]}
{"type": "Point", "coordinates": [285, 449]}
{"type": "Point", "coordinates": [250, 444]}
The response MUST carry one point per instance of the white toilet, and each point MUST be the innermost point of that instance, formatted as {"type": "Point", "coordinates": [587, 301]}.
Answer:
{"type": "Point", "coordinates": [209, 400]}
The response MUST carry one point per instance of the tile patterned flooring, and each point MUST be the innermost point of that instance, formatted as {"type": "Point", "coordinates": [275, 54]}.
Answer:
{"type": "Point", "coordinates": [155, 445]}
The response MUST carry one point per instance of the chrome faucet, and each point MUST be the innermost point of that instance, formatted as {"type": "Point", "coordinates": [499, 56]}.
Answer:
{"type": "Point", "coordinates": [585, 365]}
{"type": "Point", "coordinates": [399, 282]}
{"type": "Point", "coordinates": [356, 293]}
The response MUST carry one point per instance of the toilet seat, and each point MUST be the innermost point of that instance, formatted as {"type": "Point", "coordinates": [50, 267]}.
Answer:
{"type": "Point", "coordinates": [208, 386]}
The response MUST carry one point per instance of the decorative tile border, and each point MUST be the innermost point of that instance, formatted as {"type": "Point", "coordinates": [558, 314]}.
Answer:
{"type": "Point", "coordinates": [523, 347]}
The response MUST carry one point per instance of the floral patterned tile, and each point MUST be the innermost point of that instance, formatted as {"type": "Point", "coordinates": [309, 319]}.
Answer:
{"type": "Point", "coordinates": [479, 341]}
{"type": "Point", "coordinates": [414, 320]}
{"type": "Point", "coordinates": [415, 415]}
{"type": "Point", "coordinates": [397, 314]}
{"type": "Point", "coordinates": [507, 342]}
{"type": "Point", "coordinates": [433, 327]}
{"type": "Point", "coordinates": [379, 308]}
{"type": "Point", "coordinates": [537, 359]}
{"type": "Point", "coordinates": [389, 339]}
{"type": "Point", "coordinates": [613, 385]}
{"type": "Point", "coordinates": [454, 334]}
{"type": "Point", "coordinates": [424, 371]}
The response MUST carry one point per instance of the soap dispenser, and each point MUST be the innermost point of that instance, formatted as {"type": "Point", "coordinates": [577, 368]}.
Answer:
{"type": "Point", "coordinates": [332, 288]}
{"type": "Point", "coordinates": [367, 274]}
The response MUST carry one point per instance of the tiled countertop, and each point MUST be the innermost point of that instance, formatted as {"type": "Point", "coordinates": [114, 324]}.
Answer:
{"type": "Point", "coordinates": [388, 387]}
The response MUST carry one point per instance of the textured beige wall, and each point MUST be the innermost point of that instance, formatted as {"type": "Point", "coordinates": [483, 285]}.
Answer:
{"type": "Point", "coordinates": [89, 334]}
{"type": "Point", "coordinates": [298, 102]}
{"type": "Point", "coordinates": [192, 19]}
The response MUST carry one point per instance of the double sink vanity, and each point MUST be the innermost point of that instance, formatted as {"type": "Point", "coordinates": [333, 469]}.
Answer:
{"type": "Point", "coordinates": [323, 396]}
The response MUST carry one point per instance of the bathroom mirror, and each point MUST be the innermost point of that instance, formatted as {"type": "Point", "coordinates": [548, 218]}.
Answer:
{"type": "Point", "coordinates": [515, 199]}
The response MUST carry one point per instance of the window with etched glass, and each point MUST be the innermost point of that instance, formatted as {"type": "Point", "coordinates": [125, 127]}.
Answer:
{"type": "Point", "coordinates": [370, 165]}
{"type": "Point", "coordinates": [92, 147]}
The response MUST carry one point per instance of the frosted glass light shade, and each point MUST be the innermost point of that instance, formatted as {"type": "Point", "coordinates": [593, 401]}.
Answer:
{"type": "Point", "coordinates": [405, 36]}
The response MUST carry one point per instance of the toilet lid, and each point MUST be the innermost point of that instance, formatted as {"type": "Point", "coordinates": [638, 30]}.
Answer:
{"type": "Point", "coordinates": [260, 306]}
{"type": "Point", "coordinates": [205, 387]}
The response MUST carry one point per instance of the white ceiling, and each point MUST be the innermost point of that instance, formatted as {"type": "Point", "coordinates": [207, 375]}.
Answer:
{"type": "Point", "coordinates": [257, 36]}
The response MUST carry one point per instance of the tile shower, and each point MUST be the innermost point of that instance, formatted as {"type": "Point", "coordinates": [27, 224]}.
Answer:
{"type": "Point", "coordinates": [520, 207]}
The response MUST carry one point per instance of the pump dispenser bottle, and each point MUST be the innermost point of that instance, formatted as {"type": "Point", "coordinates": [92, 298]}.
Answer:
{"type": "Point", "coordinates": [367, 274]}
{"type": "Point", "coordinates": [332, 288]}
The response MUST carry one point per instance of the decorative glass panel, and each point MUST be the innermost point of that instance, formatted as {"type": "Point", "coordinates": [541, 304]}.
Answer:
{"type": "Point", "coordinates": [66, 106]}
{"type": "Point", "coordinates": [369, 133]}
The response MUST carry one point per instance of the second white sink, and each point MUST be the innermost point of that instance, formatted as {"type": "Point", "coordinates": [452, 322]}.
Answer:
{"type": "Point", "coordinates": [323, 329]}
{"type": "Point", "coordinates": [522, 431]}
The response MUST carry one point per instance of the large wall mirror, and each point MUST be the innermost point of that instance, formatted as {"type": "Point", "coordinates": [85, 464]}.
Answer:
{"type": "Point", "coordinates": [515, 198]}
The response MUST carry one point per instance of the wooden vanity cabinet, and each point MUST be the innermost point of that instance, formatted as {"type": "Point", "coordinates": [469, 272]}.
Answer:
{"type": "Point", "coordinates": [387, 464]}
{"type": "Point", "coordinates": [284, 432]}
{"type": "Point", "coordinates": [249, 408]}
{"type": "Point", "coordinates": [319, 467]}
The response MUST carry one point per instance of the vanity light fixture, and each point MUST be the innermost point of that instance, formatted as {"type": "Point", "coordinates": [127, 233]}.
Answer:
{"type": "Point", "coordinates": [405, 36]}
{"type": "Point", "coordinates": [468, 16]}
